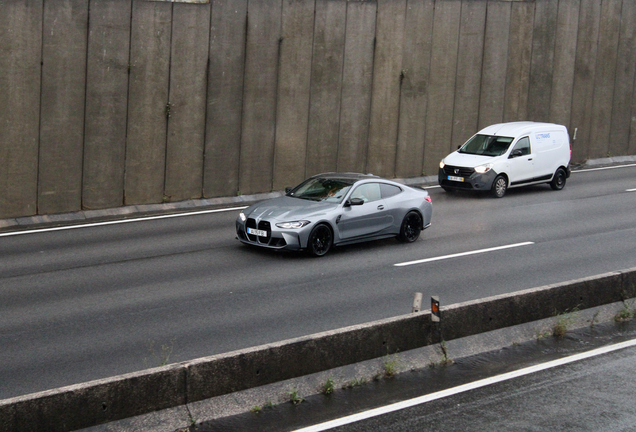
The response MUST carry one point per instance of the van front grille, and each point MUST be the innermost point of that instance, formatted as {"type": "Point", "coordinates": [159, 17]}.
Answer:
{"type": "Point", "coordinates": [458, 171]}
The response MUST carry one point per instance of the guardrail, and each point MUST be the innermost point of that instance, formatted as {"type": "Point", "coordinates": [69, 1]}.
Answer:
{"type": "Point", "coordinates": [124, 396]}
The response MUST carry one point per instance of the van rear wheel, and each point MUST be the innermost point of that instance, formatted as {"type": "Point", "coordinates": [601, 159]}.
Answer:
{"type": "Point", "coordinates": [558, 181]}
{"type": "Point", "coordinates": [499, 187]}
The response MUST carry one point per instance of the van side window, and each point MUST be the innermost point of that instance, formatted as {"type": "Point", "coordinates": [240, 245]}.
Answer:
{"type": "Point", "coordinates": [523, 145]}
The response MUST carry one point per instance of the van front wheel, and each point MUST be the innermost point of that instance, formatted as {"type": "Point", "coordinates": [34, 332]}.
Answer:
{"type": "Point", "coordinates": [558, 181]}
{"type": "Point", "coordinates": [499, 187]}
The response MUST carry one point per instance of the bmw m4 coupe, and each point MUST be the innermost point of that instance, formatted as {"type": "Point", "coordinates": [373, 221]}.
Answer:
{"type": "Point", "coordinates": [334, 209]}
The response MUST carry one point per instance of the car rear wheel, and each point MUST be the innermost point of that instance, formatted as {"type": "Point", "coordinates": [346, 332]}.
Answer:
{"type": "Point", "coordinates": [411, 227]}
{"type": "Point", "coordinates": [558, 181]}
{"type": "Point", "coordinates": [499, 187]}
{"type": "Point", "coordinates": [320, 240]}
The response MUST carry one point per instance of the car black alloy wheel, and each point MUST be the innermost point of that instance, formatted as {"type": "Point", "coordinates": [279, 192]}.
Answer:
{"type": "Point", "coordinates": [558, 182]}
{"type": "Point", "coordinates": [411, 227]}
{"type": "Point", "coordinates": [320, 240]}
{"type": "Point", "coordinates": [499, 187]}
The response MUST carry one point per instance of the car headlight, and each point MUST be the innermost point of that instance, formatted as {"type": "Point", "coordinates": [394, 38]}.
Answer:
{"type": "Point", "coordinates": [242, 216]}
{"type": "Point", "coordinates": [442, 164]}
{"type": "Point", "coordinates": [483, 168]}
{"type": "Point", "coordinates": [292, 225]}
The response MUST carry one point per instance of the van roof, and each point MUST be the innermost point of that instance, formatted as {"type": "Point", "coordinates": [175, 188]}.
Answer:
{"type": "Point", "coordinates": [514, 129]}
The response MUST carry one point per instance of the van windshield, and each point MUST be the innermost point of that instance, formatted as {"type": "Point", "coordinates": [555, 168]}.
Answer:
{"type": "Point", "coordinates": [486, 145]}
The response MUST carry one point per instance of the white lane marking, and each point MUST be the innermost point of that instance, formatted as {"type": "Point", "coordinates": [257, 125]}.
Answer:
{"type": "Point", "coordinates": [425, 260]}
{"type": "Point", "coordinates": [465, 387]}
{"type": "Point", "coordinates": [630, 190]}
{"type": "Point", "coordinates": [121, 221]}
{"type": "Point", "coordinates": [603, 168]}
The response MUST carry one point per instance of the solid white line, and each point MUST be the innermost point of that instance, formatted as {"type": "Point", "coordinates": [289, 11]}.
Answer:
{"type": "Point", "coordinates": [465, 387]}
{"type": "Point", "coordinates": [603, 168]}
{"type": "Point", "coordinates": [630, 190]}
{"type": "Point", "coordinates": [425, 260]}
{"type": "Point", "coordinates": [121, 221]}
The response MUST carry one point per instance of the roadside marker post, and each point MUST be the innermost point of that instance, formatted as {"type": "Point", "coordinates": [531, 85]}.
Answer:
{"type": "Point", "coordinates": [417, 302]}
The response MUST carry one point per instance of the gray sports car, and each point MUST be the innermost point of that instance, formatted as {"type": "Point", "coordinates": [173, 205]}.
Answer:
{"type": "Point", "coordinates": [336, 209]}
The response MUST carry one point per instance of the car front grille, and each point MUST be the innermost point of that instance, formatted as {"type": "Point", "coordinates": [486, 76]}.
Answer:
{"type": "Point", "coordinates": [262, 225]}
{"type": "Point", "coordinates": [458, 171]}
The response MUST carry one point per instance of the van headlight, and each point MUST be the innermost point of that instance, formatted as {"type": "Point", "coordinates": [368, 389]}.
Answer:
{"type": "Point", "coordinates": [442, 164]}
{"type": "Point", "coordinates": [483, 168]}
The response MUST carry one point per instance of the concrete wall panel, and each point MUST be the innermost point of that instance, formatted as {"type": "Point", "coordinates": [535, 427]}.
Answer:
{"type": "Point", "coordinates": [542, 64]}
{"type": "Point", "coordinates": [385, 100]}
{"type": "Point", "coordinates": [416, 66]}
{"type": "Point", "coordinates": [293, 92]}
{"type": "Point", "coordinates": [106, 103]}
{"type": "Point", "coordinates": [622, 111]}
{"type": "Point", "coordinates": [326, 86]}
{"type": "Point", "coordinates": [62, 119]}
{"type": "Point", "coordinates": [20, 70]}
{"type": "Point", "coordinates": [493, 82]}
{"type": "Point", "coordinates": [584, 72]}
{"type": "Point", "coordinates": [188, 93]}
{"type": "Point", "coordinates": [147, 99]}
{"type": "Point", "coordinates": [564, 60]}
{"type": "Point", "coordinates": [604, 79]}
{"type": "Point", "coordinates": [469, 65]}
{"type": "Point", "coordinates": [356, 86]}
{"type": "Point", "coordinates": [259, 103]}
{"type": "Point", "coordinates": [225, 97]}
{"type": "Point", "coordinates": [439, 118]}
{"type": "Point", "coordinates": [519, 55]}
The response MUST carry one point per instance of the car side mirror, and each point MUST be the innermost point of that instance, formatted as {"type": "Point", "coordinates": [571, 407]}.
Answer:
{"type": "Point", "coordinates": [288, 189]}
{"type": "Point", "coordinates": [515, 154]}
{"type": "Point", "coordinates": [354, 202]}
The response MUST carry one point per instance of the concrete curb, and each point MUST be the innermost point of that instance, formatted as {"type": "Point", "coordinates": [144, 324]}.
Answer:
{"type": "Point", "coordinates": [125, 396]}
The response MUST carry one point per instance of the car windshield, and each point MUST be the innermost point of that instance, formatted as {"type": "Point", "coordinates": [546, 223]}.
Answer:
{"type": "Point", "coordinates": [322, 189]}
{"type": "Point", "coordinates": [486, 145]}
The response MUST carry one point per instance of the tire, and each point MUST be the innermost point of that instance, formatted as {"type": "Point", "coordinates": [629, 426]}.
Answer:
{"type": "Point", "coordinates": [558, 181]}
{"type": "Point", "coordinates": [499, 187]}
{"type": "Point", "coordinates": [320, 240]}
{"type": "Point", "coordinates": [411, 227]}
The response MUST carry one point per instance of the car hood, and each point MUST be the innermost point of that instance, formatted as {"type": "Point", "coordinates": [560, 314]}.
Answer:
{"type": "Point", "coordinates": [467, 160]}
{"type": "Point", "coordinates": [288, 209]}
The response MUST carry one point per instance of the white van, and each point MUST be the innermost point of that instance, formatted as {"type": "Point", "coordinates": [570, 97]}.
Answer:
{"type": "Point", "coordinates": [508, 155]}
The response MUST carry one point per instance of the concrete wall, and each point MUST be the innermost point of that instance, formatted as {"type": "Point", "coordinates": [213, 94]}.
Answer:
{"type": "Point", "coordinates": [121, 102]}
{"type": "Point", "coordinates": [111, 399]}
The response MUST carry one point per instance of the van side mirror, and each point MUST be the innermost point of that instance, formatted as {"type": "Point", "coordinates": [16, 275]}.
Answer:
{"type": "Point", "coordinates": [515, 154]}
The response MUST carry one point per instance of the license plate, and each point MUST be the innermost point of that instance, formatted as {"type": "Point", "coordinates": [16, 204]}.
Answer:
{"type": "Point", "coordinates": [453, 178]}
{"type": "Point", "coordinates": [257, 232]}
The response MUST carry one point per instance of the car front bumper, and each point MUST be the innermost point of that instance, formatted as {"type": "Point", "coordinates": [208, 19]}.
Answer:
{"type": "Point", "coordinates": [276, 238]}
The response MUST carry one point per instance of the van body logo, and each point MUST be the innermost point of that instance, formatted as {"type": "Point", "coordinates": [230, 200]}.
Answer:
{"type": "Point", "coordinates": [543, 136]}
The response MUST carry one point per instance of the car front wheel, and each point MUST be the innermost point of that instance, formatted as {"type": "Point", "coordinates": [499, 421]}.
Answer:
{"type": "Point", "coordinates": [320, 240]}
{"type": "Point", "coordinates": [499, 187]}
{"type": "Point", "coordinates": [558, 181]}
{"type": "Point", "coordinates": [411, 227]}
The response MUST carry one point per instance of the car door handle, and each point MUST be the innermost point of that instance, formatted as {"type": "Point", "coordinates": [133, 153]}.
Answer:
{"type": "Point", "coordinates": [380, 207]}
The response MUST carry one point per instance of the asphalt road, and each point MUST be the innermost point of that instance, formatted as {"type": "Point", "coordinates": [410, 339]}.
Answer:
{"type": "Point", "coordinates": [88, 303]}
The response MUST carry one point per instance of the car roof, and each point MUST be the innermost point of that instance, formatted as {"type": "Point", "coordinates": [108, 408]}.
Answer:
{"type": "Point", "coordinates": [346, 176]}
{"type": "Point", "coordinates": [514, 129]}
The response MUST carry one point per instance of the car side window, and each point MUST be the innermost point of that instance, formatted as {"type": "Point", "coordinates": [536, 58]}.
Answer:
{"type": "Point", "coordinates": [523, 145]}
{"type": "Point", "coordinates": [389, 190]}
{"type": "Point", "coordinates": [367, 192]}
